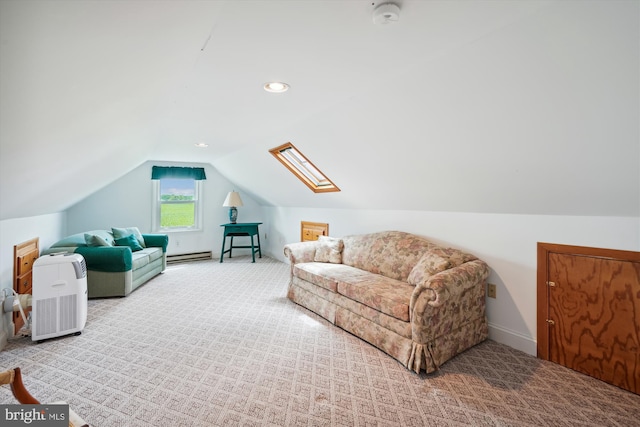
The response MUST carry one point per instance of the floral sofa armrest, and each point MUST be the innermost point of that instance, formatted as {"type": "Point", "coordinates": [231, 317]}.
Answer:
{"type": "Point", "coordinates": [445, 302]}
{"type": "Point", "coordinates": [300, 252]}
{"type": "Point", "coordinates": [449, 285]}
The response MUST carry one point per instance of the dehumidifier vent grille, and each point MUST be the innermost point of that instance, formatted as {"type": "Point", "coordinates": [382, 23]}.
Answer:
{"type": "Point", "coordinates": [80, 268]}
{"type": "Point", "coordinates": [68, 312]}
{"type": "Point", "coordinates": [47, 315]}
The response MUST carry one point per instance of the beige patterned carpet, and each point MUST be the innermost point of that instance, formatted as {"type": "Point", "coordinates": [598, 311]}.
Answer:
{"type": "Point", "coordinates": [210, 344]}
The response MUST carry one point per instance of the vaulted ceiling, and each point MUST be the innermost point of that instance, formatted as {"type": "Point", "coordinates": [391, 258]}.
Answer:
{"type": "Point", "coordinates": [479, 106]}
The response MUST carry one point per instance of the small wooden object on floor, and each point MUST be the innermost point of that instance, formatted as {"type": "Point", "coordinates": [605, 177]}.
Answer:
{"type": "Point", "coordinates": [13, 377]}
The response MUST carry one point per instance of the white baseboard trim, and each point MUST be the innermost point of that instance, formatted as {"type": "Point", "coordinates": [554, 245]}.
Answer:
{"type": "Point", "coordinates": [513, 339]}
{"type": "Point", "coordinates": [194, 256]}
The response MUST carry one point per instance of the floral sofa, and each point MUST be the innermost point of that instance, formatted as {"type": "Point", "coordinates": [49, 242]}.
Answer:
{"type": "Point", "coordinates": [118, 260]}
{"type": "Point", "coordinates": [419, 302]}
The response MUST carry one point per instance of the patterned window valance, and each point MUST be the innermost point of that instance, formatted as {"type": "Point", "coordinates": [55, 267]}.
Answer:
{"type": "Point", "coordinates": [162, 172]}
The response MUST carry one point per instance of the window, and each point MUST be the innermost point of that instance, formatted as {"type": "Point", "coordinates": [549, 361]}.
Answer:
{"type": "Point", "coordinates": [177, 199]}
{"type": "Point", "coordinates": [301, 167]}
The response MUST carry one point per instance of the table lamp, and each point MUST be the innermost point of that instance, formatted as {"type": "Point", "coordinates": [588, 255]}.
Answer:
{"type": "Point", "coordinates": [232, 201]}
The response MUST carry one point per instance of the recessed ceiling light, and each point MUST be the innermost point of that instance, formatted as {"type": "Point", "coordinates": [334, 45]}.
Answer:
{"type": "Point", "coordinates": [276, 87]}
{"type": "Point", "coordinates": [201, 145]}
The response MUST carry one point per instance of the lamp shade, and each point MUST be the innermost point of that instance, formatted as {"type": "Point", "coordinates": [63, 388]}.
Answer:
{"type": "Point", "coordinates": [233, 199]}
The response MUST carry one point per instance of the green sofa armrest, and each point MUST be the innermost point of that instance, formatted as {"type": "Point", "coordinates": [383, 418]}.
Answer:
{"type": "Point", "coordinates": [107, 258]}
{"type": "Point", "coordinates": [156, 240]}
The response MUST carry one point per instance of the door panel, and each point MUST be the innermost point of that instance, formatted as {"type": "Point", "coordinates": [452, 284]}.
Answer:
{"type": "Point", "coordinates": [590, 319]}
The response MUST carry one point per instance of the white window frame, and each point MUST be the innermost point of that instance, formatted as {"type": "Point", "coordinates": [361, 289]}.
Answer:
{"type": "Point", "coordinates": [157, 206]}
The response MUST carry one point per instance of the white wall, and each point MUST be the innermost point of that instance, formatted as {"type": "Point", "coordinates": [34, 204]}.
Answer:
{"type": "Point", "coordinates": [128, 202]}
{"type": "Point", "coordinates": [508, 243]}
{"type": "Point", "coordinates": [48, 228]}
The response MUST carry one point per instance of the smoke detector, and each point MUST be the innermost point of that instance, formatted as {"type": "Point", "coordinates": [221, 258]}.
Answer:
{"type": "Point", "coordinates": [386, 13]}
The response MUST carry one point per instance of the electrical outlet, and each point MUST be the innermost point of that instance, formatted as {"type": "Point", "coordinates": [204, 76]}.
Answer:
{"type": "Point", "coordinates": [491, 290]}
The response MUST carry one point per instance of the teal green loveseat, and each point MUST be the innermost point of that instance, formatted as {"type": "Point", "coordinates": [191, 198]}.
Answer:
{"type": "Point", "coordinates": [115, 270]}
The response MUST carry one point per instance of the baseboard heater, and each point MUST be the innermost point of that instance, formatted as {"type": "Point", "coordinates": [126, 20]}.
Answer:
{"type": "Point", "coordinates": [194, 256]}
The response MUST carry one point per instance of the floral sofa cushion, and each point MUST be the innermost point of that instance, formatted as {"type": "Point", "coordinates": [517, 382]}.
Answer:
{"type": "Point", "coordinates": [328, 275]}
{"type": "Point", "coordinates": [392, 255]}
{"type": "Point", "coordinates": [388, 296]}
{"type": "Point", "coordinates": [430, 264]}
{"type": "Point", "coordinates": [329, 250]}
{"type": "Point", "coordinates": [381, 293]}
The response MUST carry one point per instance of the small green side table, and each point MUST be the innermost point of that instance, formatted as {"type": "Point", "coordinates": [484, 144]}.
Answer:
{"type": "Point", "coordinates": [246, 229]}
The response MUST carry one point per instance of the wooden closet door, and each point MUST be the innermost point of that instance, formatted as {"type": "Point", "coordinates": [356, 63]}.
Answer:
{"type": "Point", "coordinates": [593, 316]}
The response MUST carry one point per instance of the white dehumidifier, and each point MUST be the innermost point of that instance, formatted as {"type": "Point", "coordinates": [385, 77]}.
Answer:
{"type": "Point", "coordinates": [59, 296]}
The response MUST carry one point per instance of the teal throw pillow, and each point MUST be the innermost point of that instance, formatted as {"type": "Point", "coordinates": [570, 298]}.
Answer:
{"type": "Point", "coordinates": [130, 241]}
{"type": "Point", "coordinates": [93, 240]}
{"type": "Point", "coordinates": [124, 232]}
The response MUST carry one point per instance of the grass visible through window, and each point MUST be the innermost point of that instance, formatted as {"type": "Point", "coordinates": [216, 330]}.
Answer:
{"type": "Point", "coordinates": [177, 214]}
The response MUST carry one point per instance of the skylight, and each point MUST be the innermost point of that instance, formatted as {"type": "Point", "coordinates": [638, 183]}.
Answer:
{"type": "Point", "coordinates": [301, 167]}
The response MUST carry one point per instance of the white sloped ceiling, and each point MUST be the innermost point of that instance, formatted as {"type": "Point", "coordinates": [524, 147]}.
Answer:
{"type": "Point", "coordinates": [475, 106]}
